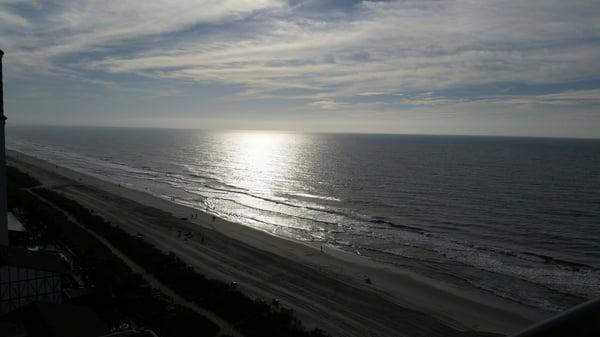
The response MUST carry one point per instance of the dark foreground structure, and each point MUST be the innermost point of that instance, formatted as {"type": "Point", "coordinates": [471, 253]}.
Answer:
{"type": "Point", "coordinates": [581, 321]}
{"type": "Point", "coordinates": [27, 277]}
{"type": "Point", "coordinates": [32, 282]}
{"type": "Point", "coordinates": [60, 320]}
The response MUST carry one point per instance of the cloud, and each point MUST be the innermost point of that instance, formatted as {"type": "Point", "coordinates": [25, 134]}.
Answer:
{"type": "Point", "coordinates": [565, 98]}
{"type": "Point", "coordinates": [55, 29]}
{"type": "Point", "coordinates": [327, 105]}
{"type": "Point", "coordinates": [391, 46]}
{"type": "Point", "coordinates": [330, 56]}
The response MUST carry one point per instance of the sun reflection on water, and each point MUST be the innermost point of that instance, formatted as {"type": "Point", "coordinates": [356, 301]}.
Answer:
{"type": "Point", "coordinates": [262, 180]}
{"type": "Point", "coordinates": [260, 160]}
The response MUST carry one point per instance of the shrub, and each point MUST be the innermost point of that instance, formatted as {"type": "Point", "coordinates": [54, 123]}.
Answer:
{"type": "Point", "coordinates": [119, 294]}
{"type": "Point", "coordinates": [251, 317]}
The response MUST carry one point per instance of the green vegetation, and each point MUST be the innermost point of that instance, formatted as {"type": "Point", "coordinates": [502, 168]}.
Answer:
{"type": "Point", "coordinates": [112, 277]}
{"type": "Point", "coordinates": [119, 294]}
{"type": "Point", "coordinates": [251, 317]}
{"type": "Point", "coordinates": [18, 179]}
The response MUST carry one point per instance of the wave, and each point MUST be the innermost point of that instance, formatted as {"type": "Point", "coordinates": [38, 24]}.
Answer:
{"type": "Point", "coordinates": [316, 196]}
{"type": "Point", "coordinates": [383, 220]}
{"type": "Point", "coordinates": [282, 214]}
{"type": "Point", "coordinates": [572, 286]}
{"type": "Point", "coordinates": [561, 262]}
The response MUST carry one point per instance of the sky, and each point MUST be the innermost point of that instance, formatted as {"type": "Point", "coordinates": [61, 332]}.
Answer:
{"type": "Point", "coordinates": [528, 68]}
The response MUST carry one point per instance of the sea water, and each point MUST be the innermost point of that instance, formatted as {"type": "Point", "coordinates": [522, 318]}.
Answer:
{"type": "Point", "coordinates": [514, 217]}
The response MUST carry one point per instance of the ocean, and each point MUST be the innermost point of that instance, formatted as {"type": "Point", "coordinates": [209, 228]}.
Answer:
{"type": "Point", "coordinates": [514, 217]}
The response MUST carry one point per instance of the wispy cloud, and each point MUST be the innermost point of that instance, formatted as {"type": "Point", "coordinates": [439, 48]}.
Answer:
{"type": "Point", "coordinates": [332, 56]}
{"type": "Point", "coordinates": [328, 105]}
{"type": "Point", "coordinates": [40, 33]}
{"type": "Point", "coordinates": [386, 46]}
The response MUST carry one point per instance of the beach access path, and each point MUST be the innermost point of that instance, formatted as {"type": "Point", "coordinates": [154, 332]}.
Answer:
{"type": "Point", "coordinates": [224, 327]}
{"type": "Point", "coordinates": [326, 290]}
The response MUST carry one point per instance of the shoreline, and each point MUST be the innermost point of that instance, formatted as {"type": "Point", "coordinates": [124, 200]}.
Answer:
{"type": "Point", "coordinates": [401, 291]}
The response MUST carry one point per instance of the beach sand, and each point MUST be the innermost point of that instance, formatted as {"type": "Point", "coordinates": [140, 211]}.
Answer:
{"type": "Point", "coordinates": [327, 290]}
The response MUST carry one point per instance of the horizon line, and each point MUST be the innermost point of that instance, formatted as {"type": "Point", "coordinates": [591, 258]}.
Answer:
{"type": "Point", "coordinates": [250, 130]}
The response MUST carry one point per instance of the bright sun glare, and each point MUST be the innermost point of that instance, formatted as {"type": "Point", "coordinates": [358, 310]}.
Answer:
{"type": "Point", "coordinates": [261, 158]}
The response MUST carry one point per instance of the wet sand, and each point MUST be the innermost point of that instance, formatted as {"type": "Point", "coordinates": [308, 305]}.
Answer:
{"type": "Point", "coordinates": [327, 290]}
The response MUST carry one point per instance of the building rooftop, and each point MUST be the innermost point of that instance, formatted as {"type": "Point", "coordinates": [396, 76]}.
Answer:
{"type": "Point", "coordinates": [21, 257]}
{"type": "Point", "coordinates": [14, 224]}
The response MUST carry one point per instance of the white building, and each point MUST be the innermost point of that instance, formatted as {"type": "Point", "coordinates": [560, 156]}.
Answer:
{"type": "Point", "coordinates": [3, 217]}
{"type": "Point", "coordinates": [25, 276]}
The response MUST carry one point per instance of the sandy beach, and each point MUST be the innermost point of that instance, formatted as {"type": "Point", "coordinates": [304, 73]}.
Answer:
{"type": "Point", "coordinates": [326, 289]}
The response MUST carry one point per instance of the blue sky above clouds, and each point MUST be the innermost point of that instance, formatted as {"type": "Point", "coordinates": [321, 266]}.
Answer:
{"type": "Point", "coordinates": [426, 66]}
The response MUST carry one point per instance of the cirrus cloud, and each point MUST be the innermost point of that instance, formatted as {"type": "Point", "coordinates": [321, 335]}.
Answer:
{"type": "Point", "coordinates": [387, 55]}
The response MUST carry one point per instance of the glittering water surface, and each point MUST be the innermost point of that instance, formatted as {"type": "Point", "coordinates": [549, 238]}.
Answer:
{"type": "Point", "coordinates": [516, 217]}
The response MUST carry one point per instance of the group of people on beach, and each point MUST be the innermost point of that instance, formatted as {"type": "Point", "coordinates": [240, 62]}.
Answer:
{"type": "Point", "coordinates": [195, 216]}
